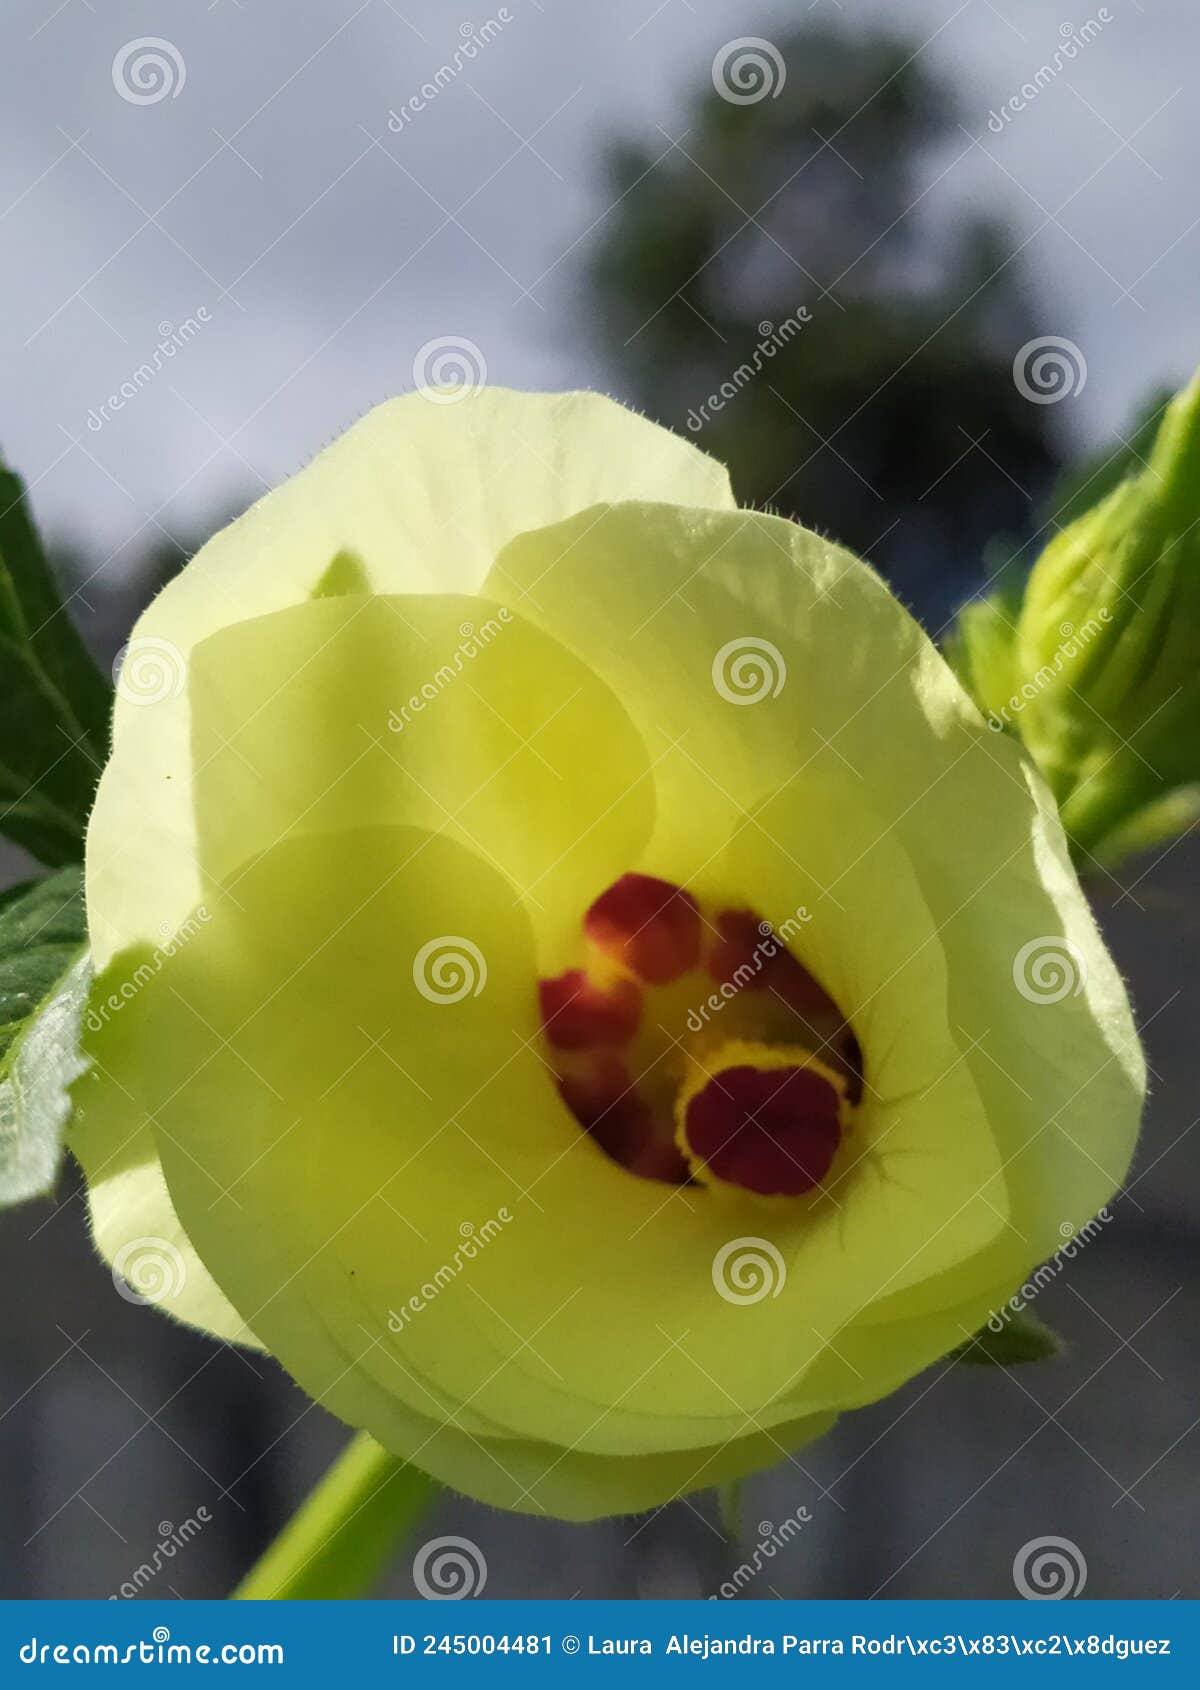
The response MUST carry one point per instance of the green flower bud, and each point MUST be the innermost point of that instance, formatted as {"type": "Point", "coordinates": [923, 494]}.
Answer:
{"type": "Point", "coordinates": [1105, 661]}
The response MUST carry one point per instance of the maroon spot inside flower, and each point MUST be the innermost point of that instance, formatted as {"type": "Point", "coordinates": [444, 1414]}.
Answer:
{"type": "Point", "coordinates": [796, 986]}
{"type": "Point", "coordinates": [649, 926]}
{"type": "Point", "coordinates": [773, 1131]}
{"type": "Point", "coordinates": [606, 1104]}
{"type": "Point", "coordinates": [750, 954]}
{"type": "Point", "coordinates": [660, 1158]}
{"type": "Point", "coordinates": [577, 1013]}
{"type": "Point", "coordinates": [739, 947]}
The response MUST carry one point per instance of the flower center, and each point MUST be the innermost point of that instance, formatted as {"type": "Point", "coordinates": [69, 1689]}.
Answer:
{"type": "Point", "coordinates": [693, 1047]}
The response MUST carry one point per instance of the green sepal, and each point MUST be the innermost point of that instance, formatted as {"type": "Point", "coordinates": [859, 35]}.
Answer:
{"type": "Point", "coordinates": [979, 647]}
{"type": "Point", "coordinates": [346, 575]}
{"type": "Point", "coordinates": [1021, 1338]}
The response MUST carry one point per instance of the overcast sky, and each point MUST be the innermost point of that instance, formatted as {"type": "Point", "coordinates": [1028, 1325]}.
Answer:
{"type": "Point", "coordinates": [263, 191]}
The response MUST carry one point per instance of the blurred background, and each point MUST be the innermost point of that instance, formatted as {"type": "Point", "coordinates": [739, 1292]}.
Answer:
{"type": "Point", "coordinates": [904, 270]}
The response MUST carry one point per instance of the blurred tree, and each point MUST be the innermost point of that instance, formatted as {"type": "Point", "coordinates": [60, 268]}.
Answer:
{"type": "Point", "coordinates": [860, 418]}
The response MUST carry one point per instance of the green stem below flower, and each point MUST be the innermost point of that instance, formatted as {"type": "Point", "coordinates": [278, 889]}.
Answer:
{"type": "Point", "coordinates": [341, 1538]}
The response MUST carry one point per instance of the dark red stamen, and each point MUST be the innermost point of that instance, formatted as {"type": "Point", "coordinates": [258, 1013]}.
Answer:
{"type": "Point", "coordinates": [774, 1131]}
{"type": "Point", "coordinates": [577, 1014]}
{"type": "Point", "coordinates": [649, 926]}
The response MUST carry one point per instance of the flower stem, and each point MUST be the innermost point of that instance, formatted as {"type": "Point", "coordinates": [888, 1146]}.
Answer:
{"type": "Point", "coordinates": [342, 1536]}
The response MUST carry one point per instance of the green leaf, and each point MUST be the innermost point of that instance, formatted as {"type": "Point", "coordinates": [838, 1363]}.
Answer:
{"type": "Point", "coordinates": [1022, 1337]}
{"type": "Point", "coordinates": [44, 975]}
{"type": "Point", "coordinates": [54, 702]}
